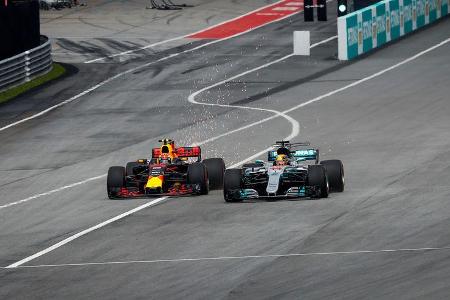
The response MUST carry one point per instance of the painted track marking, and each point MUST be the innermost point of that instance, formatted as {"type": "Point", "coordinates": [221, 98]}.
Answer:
{"type": "Point", "coordinates": [250, 21]}
{"type": "Point", "coordinates": [191, 34]}
{"type": "Point", "coordinates": [223, 258]}
{"type": "Point", "coordinates": [154, 202]}
{"type": "Point", "coordinates": [52, 191]}
{"type": "Point", "coordinates": [86, 231]}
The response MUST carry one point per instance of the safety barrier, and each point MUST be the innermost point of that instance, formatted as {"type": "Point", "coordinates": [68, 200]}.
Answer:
{"type": "Point", "coordinates": [25, 66]}
{"type": "Point", "coordinates": [378, 24]}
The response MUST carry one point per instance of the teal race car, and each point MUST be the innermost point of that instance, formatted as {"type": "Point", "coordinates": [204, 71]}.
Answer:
{"type": "Point", "coordinates": [292, 170]}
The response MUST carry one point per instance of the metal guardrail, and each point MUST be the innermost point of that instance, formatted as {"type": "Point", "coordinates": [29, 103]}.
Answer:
{"type": "Point", "coordinates": [27, 65]}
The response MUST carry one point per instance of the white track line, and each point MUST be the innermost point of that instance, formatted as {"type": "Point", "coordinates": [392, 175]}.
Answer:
{"type": "Point", "coordinates": [377, 74]}
{"type": "Point", "coordinates": [51, 248]}
{"type": "Point", "coordinates": [52, 191]}
{"type": "Point", "coordinates": [187, 35]}
{"type": "Point", "coordinates": [86, 231]}
{"type": "Point", "coordinates": [223, 258]}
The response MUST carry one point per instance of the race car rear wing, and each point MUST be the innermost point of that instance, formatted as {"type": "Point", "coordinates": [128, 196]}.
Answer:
{"type": "Point", "coordinates": [189, 152]}
{"type": "Point", "coordinates": [305, 154]}
{"type": "Point", "coordinates": [181, 152]}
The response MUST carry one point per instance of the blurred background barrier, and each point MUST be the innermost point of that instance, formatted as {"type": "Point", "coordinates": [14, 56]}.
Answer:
{"type": "Point", "coordinates": [378, 24]}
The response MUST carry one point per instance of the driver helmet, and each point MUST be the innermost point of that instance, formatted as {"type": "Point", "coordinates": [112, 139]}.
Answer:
{"type": "Point", "coordinates": [164, 158]}
{"type": "Point", "coordinates": [282, 160]}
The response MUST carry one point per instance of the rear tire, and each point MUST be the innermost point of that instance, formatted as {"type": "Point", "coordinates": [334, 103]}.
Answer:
{"type": "Point", "coordinates": [115, 181]}
{"type": "Point", "coordinates": [197, 174]}
{"type": "Point", "coordinates": [231, 182]}
{"type": "Point", "coordinates": [317, 176]}
{"type": "Point", "coordinates": [335, 173]}
{"type": "Point", "coordinates": [216, 169]}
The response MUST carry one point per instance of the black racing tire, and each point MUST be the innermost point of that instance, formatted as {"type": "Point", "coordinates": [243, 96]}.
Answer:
{"type": "Point", "coordinates": [317, 176]}
{"type": "Point", "coordinates": [335, 173]}
{"type": "Point", "coordinates": [197, 174]}
{"type": "Point", "coordinates": [231, 181]}
{"type": "Point", "coordinates": [216, 169]}
{"type": "Point", "coordinates": [129, 169]}
{"type": "Point", "coordinates": [115, 181]}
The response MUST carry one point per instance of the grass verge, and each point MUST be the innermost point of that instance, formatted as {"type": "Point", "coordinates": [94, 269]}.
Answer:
{"type": "Point", "coordinates": [56, 72]}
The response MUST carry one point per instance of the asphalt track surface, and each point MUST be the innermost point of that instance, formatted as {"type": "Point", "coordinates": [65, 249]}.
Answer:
{"type": "Point", "coordinates": [392, 132]}
{"type": "Point", "coordinates": [107, 27]}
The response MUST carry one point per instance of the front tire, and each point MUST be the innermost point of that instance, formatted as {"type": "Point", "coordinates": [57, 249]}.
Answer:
{"type": "Point", "coordinates": [317, 176]}
{"type": "Point", "coordinates": [335, 173]}
{"type": "Point", "coordinates": [115, 181]}
{"type": "Point", "coordinates": [216, 169]}
{"type": "Point", "coordinates": [231, 182]}
{"type": "Point", "coordinates": [197, 174]}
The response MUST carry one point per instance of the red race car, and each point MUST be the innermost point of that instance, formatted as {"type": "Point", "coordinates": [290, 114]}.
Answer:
{"type": "Point", "coordinates": [170, 171]}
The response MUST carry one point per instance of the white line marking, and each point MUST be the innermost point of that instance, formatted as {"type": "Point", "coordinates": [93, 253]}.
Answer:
{"type": "Point", "coordinates": [86, 231]}
{"type": "Point", "coordinates": [295, 124]}
{"type": "Point", "coordinates": [52, 191]}
{"type": "Point", "coordinates": [190, 34]}
{"type": "Point", "coordinates": [284, 8]}
{"type": "Point", "coordinates": [405, 61]}
{"type": "Point", "coordinates": [25, 260]}
{"type": "Point", "coordinates": [222, 258]}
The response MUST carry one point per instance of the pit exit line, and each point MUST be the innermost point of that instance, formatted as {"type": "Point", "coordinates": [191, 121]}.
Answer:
{"type": "Point", "coordinates": [224, 258]}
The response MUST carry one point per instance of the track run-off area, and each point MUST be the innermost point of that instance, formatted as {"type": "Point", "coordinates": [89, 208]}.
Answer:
{"type": "Point", "coordinates": [385, 115]}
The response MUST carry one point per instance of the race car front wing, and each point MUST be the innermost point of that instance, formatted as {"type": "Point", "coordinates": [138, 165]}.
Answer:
{"type": "Point", "coordinates": [182, 190]}
{"type": "Point", "coordinates": [293, 192]}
